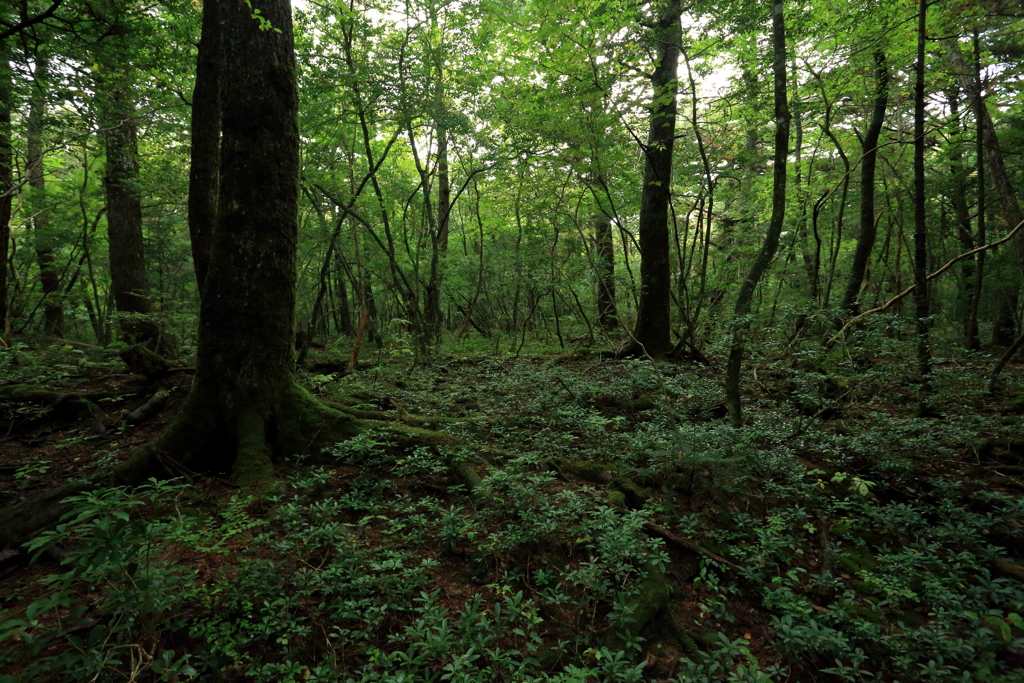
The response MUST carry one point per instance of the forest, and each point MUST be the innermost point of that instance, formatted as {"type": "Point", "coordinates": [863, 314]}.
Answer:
{"type": "Point", "coordinates": [574, 341]}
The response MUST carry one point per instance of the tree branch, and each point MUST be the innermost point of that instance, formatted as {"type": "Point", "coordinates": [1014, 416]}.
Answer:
{"type": "Point", "coordinates": [888, 304]}
{"type": "Point", "coordinates": [18, 28]}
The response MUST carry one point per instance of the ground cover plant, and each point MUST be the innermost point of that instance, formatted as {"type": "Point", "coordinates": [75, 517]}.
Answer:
{"type": "Point", "coordinates": [547, 340]}
{"type": "Point", "coordinates": [617, 529]}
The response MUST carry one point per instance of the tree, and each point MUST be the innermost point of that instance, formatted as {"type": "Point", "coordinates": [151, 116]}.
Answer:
{"type": "Point", "coordinates": [741, 321]}
{"type": "Point", "coordinates": [922, 305]}
{"type": "Point", "coordinates": [245, 403]}
{"type": "Point", "coordinates": [868, 163]}
{"type": "Point", "coordinates": [996, 166]}
{"type": "Point", "coordinates": [53, 309]}
{"type": "Point", "coordinates": [652, 334]}
{"type": "Point", "coordinates": [6, 179]}
{"type": "Point", "coordinates": [604, 264]}
{"type": "Point", "coordinates": [129, 279]}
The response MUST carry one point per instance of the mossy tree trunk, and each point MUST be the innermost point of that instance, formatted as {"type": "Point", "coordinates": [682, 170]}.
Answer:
{"type": "Point", "coordinates": [922, 305]}
{"type": "Point", "coordinates": [604, 250]}
{"type": "Point", "coordinates": [245, 404]}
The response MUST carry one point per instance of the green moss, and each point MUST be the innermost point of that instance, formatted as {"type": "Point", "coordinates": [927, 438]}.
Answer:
{"type": "Point", "coordinates": [642, 403]}
{"type": "Point", "coordinates": [594, 472]}
{"type": "Point", "coordinates": [252, 466]}
{"type": "Point", "coordinates": [635, 497]}
{"type": "Point", "coordinates": [869, 615]}
{"type": "Point", "coordinates": [616, 498]}
{"type": "Point", "coordinates": [908, 618]}
{"type": "Point", "coordinates": [651, 597]}
{"type": "Point", "coordinates": [28, 393]}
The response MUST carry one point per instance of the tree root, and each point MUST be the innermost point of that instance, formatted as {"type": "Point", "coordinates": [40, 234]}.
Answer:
{"type": "Point", "coordinates": [151, 407]}
{"type": "Point", "coordinates": [656, 530]}
{"type": "Point", "coordinates": [202, 438]}
{"type": "Point", "coordinates": [141, 360]}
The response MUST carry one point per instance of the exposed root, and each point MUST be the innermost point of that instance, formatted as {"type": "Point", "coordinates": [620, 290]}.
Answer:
{"type": "Point", "coordinates": [202, 438]}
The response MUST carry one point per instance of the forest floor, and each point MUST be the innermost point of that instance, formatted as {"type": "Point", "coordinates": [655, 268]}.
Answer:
{"type": "Point", "coordinates": [620, 531]}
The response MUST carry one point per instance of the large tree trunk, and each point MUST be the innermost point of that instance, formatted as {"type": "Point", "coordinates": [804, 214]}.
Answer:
{"type": "Point", "coordinates": [244, 404]}
{"type": "Point", "coordinates": [203, 174]}
{"type": "Point", "coordinates": [49, 278]}
{"type": "Point", "coordinates": [652, 335]}
{"type": "Point", "coordinates": [866, 239]}
{"type": "Point", "coordinates": [6, 178]}
{"type": "Point", "coordinates": [741, 318]}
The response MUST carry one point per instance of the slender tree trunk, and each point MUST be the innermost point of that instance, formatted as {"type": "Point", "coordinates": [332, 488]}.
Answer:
{"type": "Point", "coordinates": [970, 81]}
{"type": "Point", "coordinates": [961, 214]}
{"type": "Point", "coordinates": [652, 335]}
{"type": "Point", "coordinates": [741, 321]}
{"type": "Point", "coordinates": [49, 278]}
{"type": "Point", "coordinates": [6, 181]}
{"type": "Point", "coordinates": [1005, 192]}
{"type": "Point", "coordinates": [323, 286]}
{"type": "Point", "coordinates": [604, 250]}
{"type": "Point", "coordinates": [920, 223]}
{"type": "Point", "coordinates": [972, 342]}
{"type": "Point", "coordinates": [203, 174]}
{"type": "Point", "coordinates": [704, 219]}
{"type": "Point", "coordinates": [344, 315]}
{"type": "Point", "coordinates": [439, 241]}
{"type": "Point", "coordinates": [866, 239]}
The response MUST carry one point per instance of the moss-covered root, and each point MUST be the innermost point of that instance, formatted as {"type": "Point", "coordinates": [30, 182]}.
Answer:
{"type": "Point", "coordinates": [305, 426]}
{"type": "Point", "coordinates": [651, 614]}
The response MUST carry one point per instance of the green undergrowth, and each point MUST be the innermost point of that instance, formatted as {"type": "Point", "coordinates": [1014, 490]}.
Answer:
{"type": "Point", "coordinates": [872, 545]}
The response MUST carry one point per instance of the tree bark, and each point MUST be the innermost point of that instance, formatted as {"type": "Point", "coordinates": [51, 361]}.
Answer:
{"type": "Point", "coordinates": [203, 174]}
{"type": "Point", "coordinates": [652, 335]}
{"type": "Point", "coordinates": [961, 214]}
{"type": "Point", "coordinates": [1008, 202]}
{"type": "Point", "coordinates": [343, 317]}
{"type": "Point", "coordinates": [439, 241]}
{"type": "Point", "coordinates": [866, 239]}
{"type": "Point", "coordinates": [741, 321]}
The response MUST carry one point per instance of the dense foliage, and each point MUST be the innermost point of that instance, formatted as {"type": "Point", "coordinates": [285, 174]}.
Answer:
{"type": "Point", "coordinates": [482, 191]}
